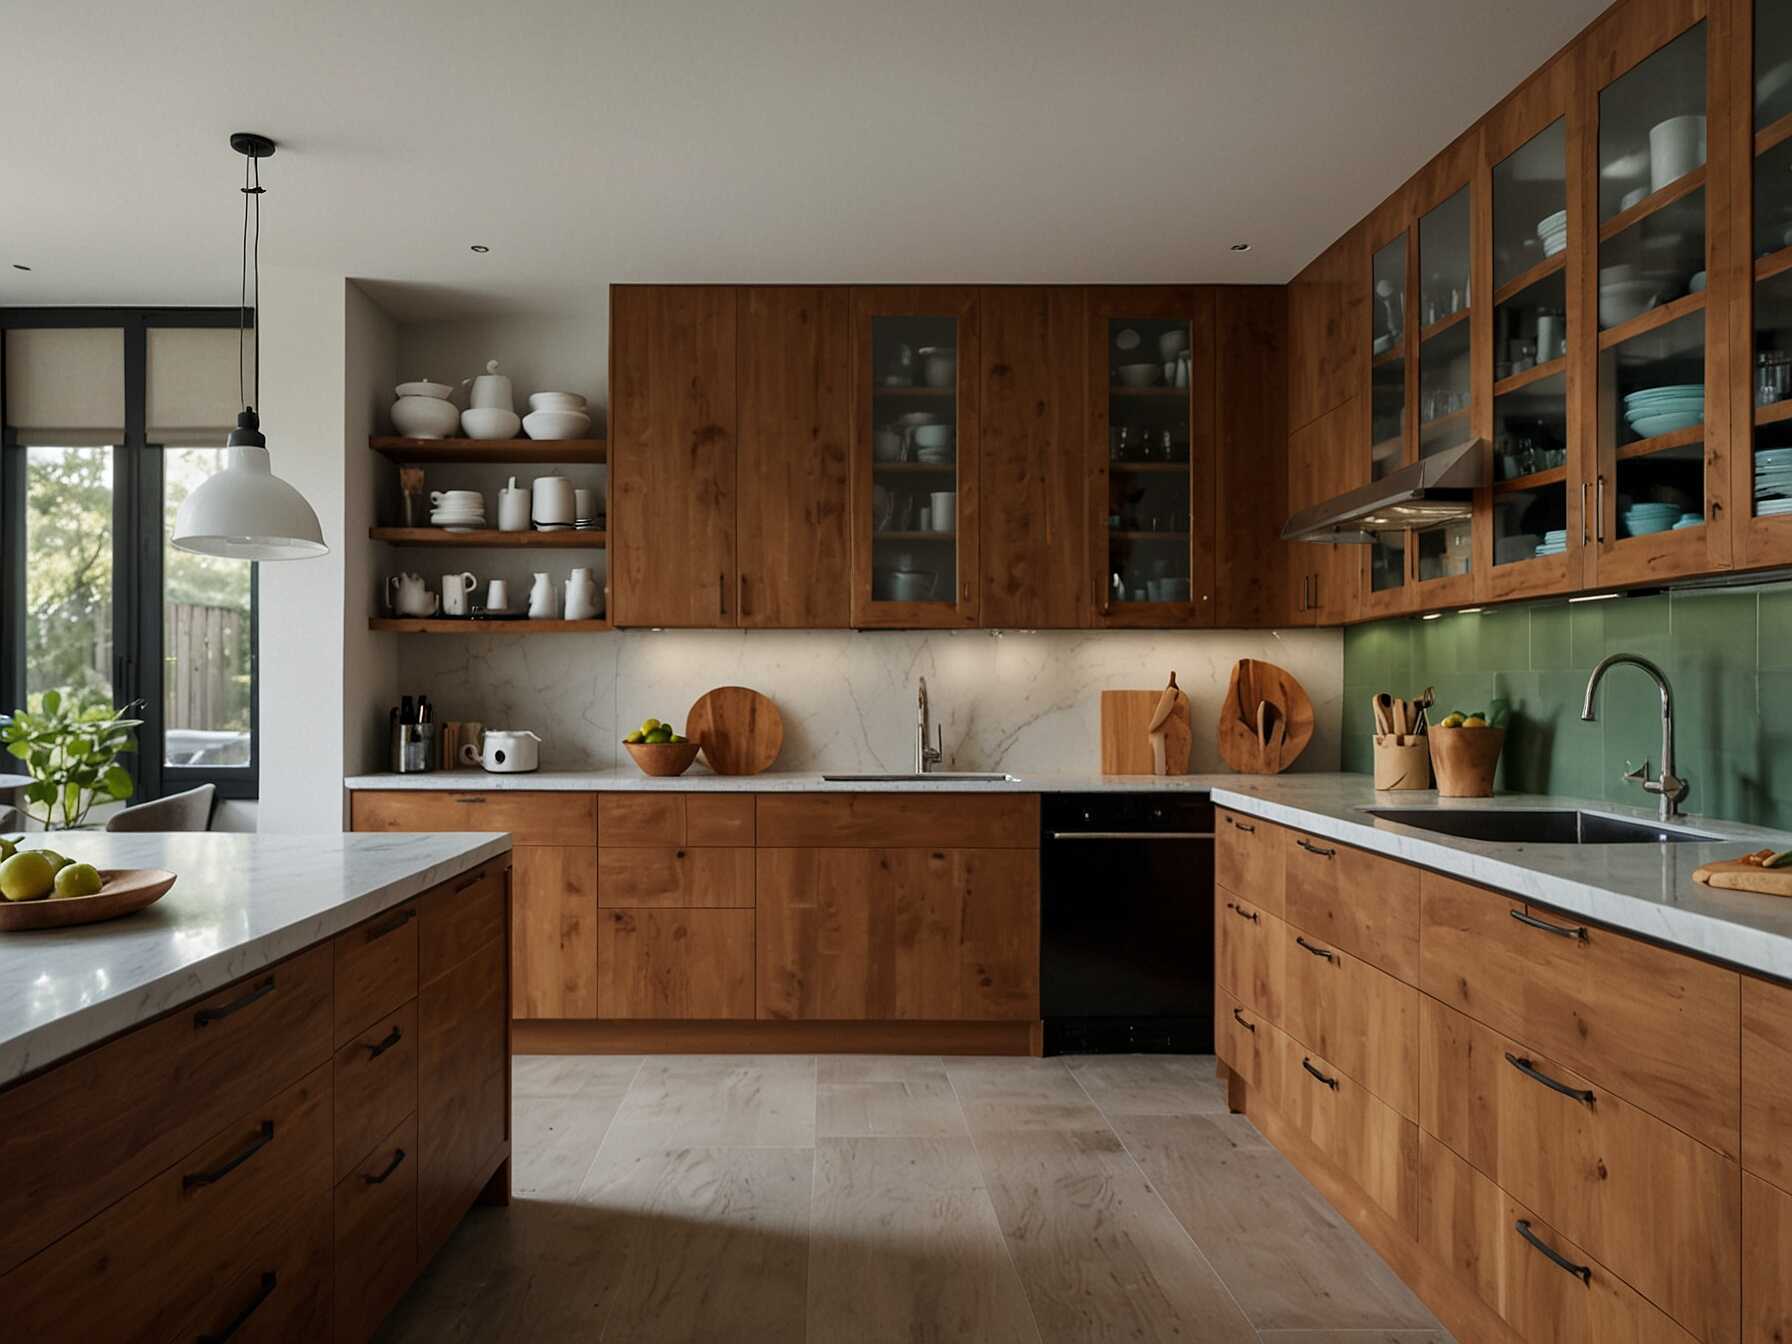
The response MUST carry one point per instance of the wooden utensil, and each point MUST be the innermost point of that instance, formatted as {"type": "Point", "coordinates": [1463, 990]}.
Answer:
{"type": "Point", "coordinates": [1165, 720]}
{"type": "Point", "coordinates": [739, 729]}
{"type": "Point", "coordinates": [1126, 733]}
{"type": "Point", "coordinates": [124, 891]}
{"type": "Point", "coordinates": [1746, 874]}
{"type": "Point", "coordinates": [1252, 741]}
{"type": "Point", "coordinates": [1383, 704]}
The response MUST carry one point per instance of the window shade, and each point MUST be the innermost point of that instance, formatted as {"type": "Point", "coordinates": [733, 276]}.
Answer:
{"type": "Point", "coordinates": [65, 385]}
{"type": "Point", "coordinates": [191, 400]}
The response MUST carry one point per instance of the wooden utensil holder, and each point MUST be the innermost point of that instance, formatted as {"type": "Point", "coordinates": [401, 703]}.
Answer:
{"type": "Point", "coordinates": [1464, 760]}
{"type": "Point", "coordinates": [1402, 763]}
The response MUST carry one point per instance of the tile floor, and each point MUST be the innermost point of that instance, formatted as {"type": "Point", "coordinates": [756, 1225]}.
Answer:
{"type": "Point", "coordinates": [866, 1199]}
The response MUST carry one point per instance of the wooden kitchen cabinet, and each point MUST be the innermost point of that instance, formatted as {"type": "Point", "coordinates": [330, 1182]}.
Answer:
{"type": "Point", "coordinates": [675, 964]}
{"type": "Point", "coordinates": [531, 817]}
{"type": "Point", "coordinates": [553, 913]}
{"type": "Point", "coordinates": [1370, 1142]}
{"type": "Point", "coordinates": [640, 878]}
{"type": "Point", "coordinates": [1248, 950]}
{"type": "Point", "coordinates": [1766, 1262]}
{"type": "Point", "coordinates": [674, 424]}
{"type": "Point", "coordinates": [376, 1218]}
{"type": "Point", "coordinates": [1248, 858]}
{"type": "Point", "coordinates": [1767, 1080]}
{"type": "Point", "coordinates": [1361, 1018]}
{"type": "Point", "coordinates": [1250, 470]}
{"type": "Point", "coordinates": [1354, 900]}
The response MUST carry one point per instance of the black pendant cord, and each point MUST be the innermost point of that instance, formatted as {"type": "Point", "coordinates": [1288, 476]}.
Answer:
{"type": "Point", "coordinates": [252, 192]}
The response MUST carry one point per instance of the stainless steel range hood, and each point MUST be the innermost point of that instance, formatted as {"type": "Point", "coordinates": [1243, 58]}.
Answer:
{"type": "Point", "coordinates": [1432, 491]}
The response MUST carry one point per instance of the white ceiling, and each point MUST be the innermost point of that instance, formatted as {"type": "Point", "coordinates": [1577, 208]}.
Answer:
{"type": "Point", "coordinates": [735, 140]}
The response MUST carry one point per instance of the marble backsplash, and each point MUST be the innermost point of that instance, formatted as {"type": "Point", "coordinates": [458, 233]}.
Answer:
{"type": "Point", "coordinates": [1015, 702]}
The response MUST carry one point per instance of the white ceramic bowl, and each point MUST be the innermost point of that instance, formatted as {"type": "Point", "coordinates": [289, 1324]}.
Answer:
{"type": "Point", "coordinates": [490, 422]}
{"type": "Point", "coordinates": [556, 424]}
{"type": "Point", "coordinates": [1171, 344]}
{"type": "Point", "coordinates": [424, 388]}
{"type": "Point", "coordinates": [1139, 375]}
{"type": "Point", "coordinates": [556, 401]}
{"type": "Point", "coordinates": [1626, 300]}
{"type": "Point", "coordinates": [424, 417]}
{"type": "Point", "coordinates": [934, 436]}
{"type": "Point", "coordinates": [1555, 223]}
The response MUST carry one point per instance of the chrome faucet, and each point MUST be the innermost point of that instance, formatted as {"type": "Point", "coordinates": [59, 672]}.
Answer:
{"type": "Point", "coordinates": [1670, 787]}
{"type": "Point", "coordinates": [926, 757]}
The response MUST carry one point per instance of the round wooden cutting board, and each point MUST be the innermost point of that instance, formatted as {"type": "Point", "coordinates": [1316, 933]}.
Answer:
{"type": "Point", "coordinates": [125, 891]}
{"type": "Point", "coordinates": [741, 731]}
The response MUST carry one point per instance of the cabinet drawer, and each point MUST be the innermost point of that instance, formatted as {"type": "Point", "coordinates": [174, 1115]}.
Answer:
{"type": "Point", "coordinates": [1767, 1081]}
{"type": "Point", "coordinates": [1766, 1262]}
{"type": "Point", "coordinates": [1368, 1140]}
{"type": "Point", "coordinates": [553, 932]}
{"type": "Point", "coordinates": [284, 1294]}
{"type": "Point", "coordinates": [1351, 899]}
{"type": "Point", "coordinates": [1604, 1172]}
{"type": "Point", "coordinates": [531, 818]}
{"type": "Point", "coordinates": [662, 878]}
{"type": "Point", "coordinates": [375, 1085]}
{"type": "Point", "coordinates": [376, 1233]}
{"type": "Point", "coordinates": [460, 917]}
{"type": "Point", "coordinates": [1661, 1029]}
{"type": "Point", "coordinates": [463, 1099]}
{"type": "Point", "coordinates": [1248, 1045]}
{"type": "Point", "coordinates": [1362, 1019]}
{"type": "Point", "coordinates": [675, 964]}
{"type": "Point", "coordinates": [1247, 960]}
{"type": "Point", "coordinates": [376, 968]}
{"type": "Point", "coordinates": [1247, 858]}
{"type": "Point", "coordinates": [149, 1097]}
{"type": "Point", "coordinates": [154, 1260]}
{"type": "Point", "coordinates": [864, 820]}
{"type": "Point", "coordinates": [675, 819]}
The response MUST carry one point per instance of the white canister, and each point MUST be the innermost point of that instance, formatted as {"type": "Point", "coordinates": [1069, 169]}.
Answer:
{"type": "Point", "coordinates": [1549, 337]}
{"type": "Point", "coordinates": [1676, 147]}
{"type": "Point", "coordinates": [513, 508]}
{"type": "Point", "coordinates": [554, 501]}
{"type": "Point", "coordinates": [457, 592]}
{"type": "Point", "coordinates": [943, 510]}
{"type": "Point", "coordinates": [491, 390]}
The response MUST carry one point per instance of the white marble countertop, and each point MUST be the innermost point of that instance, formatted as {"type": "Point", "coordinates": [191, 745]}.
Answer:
{"type": "Point", "coordinates": [1645, 889]}
{"type": "Point", "coordinates": [697, 779]}
{"type": "Point", "coordinates": [241, 902]}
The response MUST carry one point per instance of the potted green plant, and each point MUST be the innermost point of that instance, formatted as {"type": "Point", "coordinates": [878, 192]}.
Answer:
{"type": "Point", "coordinates": [72, 757]}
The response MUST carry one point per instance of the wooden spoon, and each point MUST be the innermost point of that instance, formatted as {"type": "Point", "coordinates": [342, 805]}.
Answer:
{"type": "Point", "coordinates": [1384, 713]}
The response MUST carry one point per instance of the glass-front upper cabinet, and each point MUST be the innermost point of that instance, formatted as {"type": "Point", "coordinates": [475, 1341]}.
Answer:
{"type": "Point", "coordinates": [1390, 356]}
{"type": "Point", "coordinates": [1446, 390]}
{"type": "Point", "coordinates": [1153, 481]}
{"type": "Point", "coordinates": [915, 458]}
{"type": "Point", "coordinates": [1763, 496]}
{"type": "Point", "coordinates": [1655, 493]}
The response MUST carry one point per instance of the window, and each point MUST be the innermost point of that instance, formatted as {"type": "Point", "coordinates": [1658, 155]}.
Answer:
{"type": "Point", "coordinates": [110, 419]}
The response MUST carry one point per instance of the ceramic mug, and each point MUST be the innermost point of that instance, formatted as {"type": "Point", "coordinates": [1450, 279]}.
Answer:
{"type": "Point", "coordinates": [513, 508]}
{"type": "Point", "coordinates": [584, 505]}
{"type": "Point", "coordinates": [497, 596]}
{"type": "Point", "coordinates": [943, 511]}
{"type": "Point", "coordinates": [456, 592]}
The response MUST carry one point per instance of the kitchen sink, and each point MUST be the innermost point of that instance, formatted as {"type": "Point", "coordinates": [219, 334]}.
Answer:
{"type": "Point", "coordinates": [944, 776]}
{"type": "Point", "coordinates": [1537, 827]}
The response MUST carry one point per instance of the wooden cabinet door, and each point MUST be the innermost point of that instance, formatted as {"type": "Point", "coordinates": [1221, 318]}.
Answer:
{"type": "Point", "coordinates": [1248, 945]}
{"type": "Point", "coordinates": [1250, 460]}
{"type": "Point", "coordinates": [1767, 1080]}
{"type": "Point", "coordinates": [673, 424]}
{"type": "Point", "coordinates": [1362, 1019]}
{"type": "Point", "coordinates": [675, 964]}
{"type": "Point", "coordinates": [909, 934]}
{"type": "Point", "coordinates": [553, 929]}
{"type": "Point", "coordinates": [1032, 458]}
{"type": "Point", "coordinates": [793, 553]}
{"type": "Point", "coordinates": [1248, 858]}
{"type": "Point", "coordinates": [1323, 578]}
{"type": "Point", "coordinates": [1766, 1262]}
{"type": "Point", "coordinates": [1370, 1142]}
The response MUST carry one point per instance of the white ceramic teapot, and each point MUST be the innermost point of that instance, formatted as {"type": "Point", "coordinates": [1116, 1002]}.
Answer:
{"type": "Point", "coordinates": [409, 595]}
{"type": "Point", "coordinates": [504, 752]}
{"type": "Point", "coordinates": [491, 390]}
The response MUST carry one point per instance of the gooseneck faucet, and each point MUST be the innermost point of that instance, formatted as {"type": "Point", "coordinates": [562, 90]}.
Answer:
{"type": "Point", "coordinates": [926, 756]}
{"type": "Point", "coordinates": [1670, 787]}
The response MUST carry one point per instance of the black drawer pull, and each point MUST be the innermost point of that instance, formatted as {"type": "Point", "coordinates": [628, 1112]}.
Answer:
{"type": "Point", "coordinates": [470, 799]}
{"type": "Point", "coordinates": [1530, 1070]}
{"type": "Point", "coordinates": [209, 1015]}
{"type": "Point", "coordinates": [1329, 1082]}
{"type": "Point", "coordinates": [1582, 1272]}
{"type": "Point", "coordinates": [1239, 1017]}
{"type": "Point", "coordinates": [260, 1141]}
{"type": "Point", "coordinates": [393, 1037]}
{"type": "Point", "coordinates": [1533, 922]}
{"type": "Point", "coordinates": [1243, 914]}
{"type": "Point", "coordinates": [392, 925]}
{"type": "Point", "coordinates": [269, 1281]}
{"type": "Point", "coordinates": [469, 882]}
{"type": "Point", "coordinates": [392, 1166]}
{"type": "Point", "coordinates": [1325, 952]}
{"type": "Point", "coordinates": [1248, 830]}
{"type": "Point", "coordinates": [1312, 848]}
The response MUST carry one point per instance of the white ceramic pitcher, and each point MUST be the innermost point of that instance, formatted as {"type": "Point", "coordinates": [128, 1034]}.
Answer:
{"type": "Point", "coordinates": [408, 595]}
{"type": "Point", "coordinates": [541, 599]}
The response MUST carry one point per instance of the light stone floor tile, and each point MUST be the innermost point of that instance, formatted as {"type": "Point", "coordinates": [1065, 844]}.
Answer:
{"type": "Point", "coordinates": [719, 1102]}
{"type": "Point", "coordinates": [1008, 1095]}
{"type": "Point", "coordinates": [1149, 1084]}
{"type": "Point", "coordinates": [569, 1075]}
{"type": "Point", "coordinates": [870, 1096]}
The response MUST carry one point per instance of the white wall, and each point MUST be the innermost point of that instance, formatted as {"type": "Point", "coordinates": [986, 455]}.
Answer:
{"type": "Point", "coordinates": [370, 661]}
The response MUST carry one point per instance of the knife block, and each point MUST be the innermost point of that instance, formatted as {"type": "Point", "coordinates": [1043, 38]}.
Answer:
{"type": "Point", "coordinates": [1402, 764]}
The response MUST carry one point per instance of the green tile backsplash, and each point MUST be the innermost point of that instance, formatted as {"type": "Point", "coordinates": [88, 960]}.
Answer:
{"type": "Point", "coordinates": [1728, 655]}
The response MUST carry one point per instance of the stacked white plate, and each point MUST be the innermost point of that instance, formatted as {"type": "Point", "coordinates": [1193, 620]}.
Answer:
{"type": "Point", "coordinates": [1689, 520]}
{"type": "Point", "coordinates": [459, 517]}
{"type": "Point", "coordinates": [1555, 541]}
{"type": "Point", "coordinates": [1662, 410]}
{"type": "Point", "coordinates": [1552, 232]}
{"type": "Point", "coordinates": [1773, 474]}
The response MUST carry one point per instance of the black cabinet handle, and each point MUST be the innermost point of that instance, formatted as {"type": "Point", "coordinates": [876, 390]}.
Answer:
{"type": "Point", "coordinates": [208, 1015]}
{"type": "Point", "coordinates": [392, 1166]}
{"type": "Point", "coordinates": [1530, 1070]}
{"type": "Point", "coordinates": [1532, 921]}
{"type": "Point", "coordinates": [1239, 1017]}
{"type": "Point", "coordinates": [1329, 1082]}
{"type": "Point", "coordinates": [1312, 848]}
{"type": "Point", "coordinates": [197, 1178]}
{"type": "Point", "coordinates": [1242, 914]}
{"type": "Point", "coordinates": [269, 1281]}
{"type": "Point", "coordinates": [471, 799]}
{"type": "Point", "coordinates": [392, 925]}
{"type": "Point", "coordinates": [1325, 952]}
{"type": "Point", "coordinates": [393, 1037]}
{"type": "Point", "coordinates": [1582, 1272]}
{"type": "Point", "coordinates": [1248, 830]}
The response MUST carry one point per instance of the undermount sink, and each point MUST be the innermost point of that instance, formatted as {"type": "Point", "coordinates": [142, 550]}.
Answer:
{"type": "Point", "coordinates": [942, 776]}
{"type": "Point", "coordinates": [1536, 827]}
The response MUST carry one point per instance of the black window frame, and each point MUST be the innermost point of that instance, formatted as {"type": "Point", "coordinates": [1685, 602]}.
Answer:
{"type": "Point", "coordinates": [137, 512]}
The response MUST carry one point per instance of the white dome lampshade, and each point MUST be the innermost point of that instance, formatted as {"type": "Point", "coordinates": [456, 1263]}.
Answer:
{"type": "Point", "coordinates": [245, 512]}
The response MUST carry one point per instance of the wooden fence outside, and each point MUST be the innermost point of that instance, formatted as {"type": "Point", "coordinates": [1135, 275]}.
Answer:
{"type": "Point", "coordinates": [204, 650]}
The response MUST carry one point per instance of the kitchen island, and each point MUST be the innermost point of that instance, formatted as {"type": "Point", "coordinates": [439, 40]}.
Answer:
{"type": "Point", "coordinates": [264, 1101]}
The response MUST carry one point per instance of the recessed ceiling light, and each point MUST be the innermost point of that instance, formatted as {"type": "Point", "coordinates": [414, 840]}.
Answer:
{"type": "Point", "coordinates": [1241, 247]}
{"type": "Point", "coordinates": [480, 247]}
{"type": "Point", "coordinates": [20, 266]}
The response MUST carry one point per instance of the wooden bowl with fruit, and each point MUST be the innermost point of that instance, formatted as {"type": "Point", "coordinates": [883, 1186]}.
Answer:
{"type": "Point", "coordinates": [1465, 752]}
{"type": "Point", "coordinates": [40, 889]}
{"type": "Point", "coordinates": [659, 751]}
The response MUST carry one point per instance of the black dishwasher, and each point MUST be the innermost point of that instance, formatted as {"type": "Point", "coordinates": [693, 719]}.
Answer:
{"type": "Point", "coordinates": [1126, 923]}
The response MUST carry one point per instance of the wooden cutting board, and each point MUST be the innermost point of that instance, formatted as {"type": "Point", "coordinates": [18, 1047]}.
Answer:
{"type": "Point", "coordinates": [1266, 719]}
{"type": "Point", "coordinates": [1125, 727]}
{"type": "Point", "coordinates": [1742, 875]}
{"type": "Point", "coordinates": [741, 731]}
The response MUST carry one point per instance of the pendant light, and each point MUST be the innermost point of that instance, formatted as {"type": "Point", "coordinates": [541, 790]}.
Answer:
{"type": "Point", "coordinates": [245, 512]}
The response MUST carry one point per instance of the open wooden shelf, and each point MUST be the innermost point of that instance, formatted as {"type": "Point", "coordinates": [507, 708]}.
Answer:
{"type": "Point", "coordinates": [1443, 324]}
{"type": "Point", "coordinates": [1663, 443]}
{"type": "Point", "coordinates": [1655, 318]}
{"type": "Point", "coordinates": [1778, 413]}
{"type": "Point", "coordinates": [441, 625]}
{"type": "Point", "coordinates": [1525, 279]}
{"type": "Point", "coordinates": [1774, 263]}
{"type": "Point", "coordinates": [515, 451]}
{"type": "Point", "coordinates": [1535, 480]}
{"type": "Point", "coordinates": [1677, 190]}
{"type": "Point", "coordinates": [569, 540]}
{"type": "Point", "coordinates": [1519, 381]}
{"type": "Point", "coordinates": [1431, 426]}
